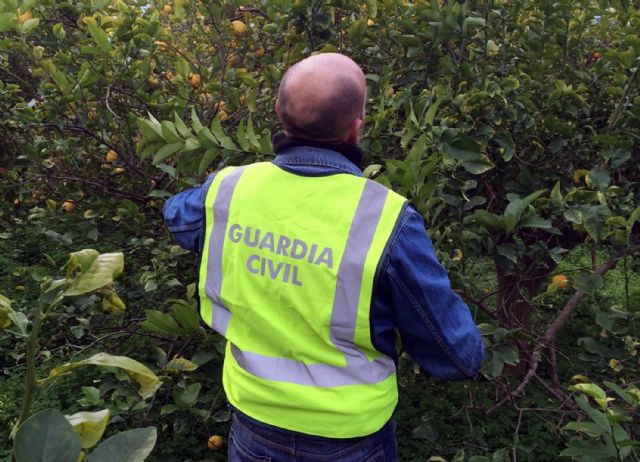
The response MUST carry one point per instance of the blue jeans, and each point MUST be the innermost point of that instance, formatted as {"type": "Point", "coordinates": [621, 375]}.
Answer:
{"type": "Point", "coordinates": [250, 441]}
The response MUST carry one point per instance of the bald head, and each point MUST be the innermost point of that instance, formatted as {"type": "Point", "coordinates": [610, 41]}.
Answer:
{"type": "Point", "coordinates": [322, 98]}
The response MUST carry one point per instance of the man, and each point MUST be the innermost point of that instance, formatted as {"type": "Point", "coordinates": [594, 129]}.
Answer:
{"type": "Point", "coordinates": [311, 272]}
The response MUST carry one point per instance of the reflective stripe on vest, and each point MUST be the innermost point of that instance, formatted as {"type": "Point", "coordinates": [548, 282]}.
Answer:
{"type": "Point", "coordinates": [358, 369]}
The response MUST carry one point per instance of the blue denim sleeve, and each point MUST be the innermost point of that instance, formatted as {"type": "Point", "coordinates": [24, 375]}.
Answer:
{"type": "Point", "coordinates": [184, 216]}
{"type": "Point", "coordinates": [435, 325]}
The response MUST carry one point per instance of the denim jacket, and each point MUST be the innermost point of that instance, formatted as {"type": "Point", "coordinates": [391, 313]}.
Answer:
{"type": "Point", "coordinates": [413, 296]}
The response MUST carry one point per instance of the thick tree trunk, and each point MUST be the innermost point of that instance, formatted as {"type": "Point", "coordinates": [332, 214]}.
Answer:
{"type": "Point", "coordinates": [514, 303]}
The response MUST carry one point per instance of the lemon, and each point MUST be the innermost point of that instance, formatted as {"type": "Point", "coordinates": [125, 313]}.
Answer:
{"type": "Point", "coordinates": [111, 156]}
{"type": "Point", "coordinates": [194, 80]}
{"type": "Point", "coordinates": [215, 442]}
{"type": "Point", "coordinates": [239, 28]}
{"type": "Point", "coordinates": [68, 206]}
{"type": "Point", "coordinates": [561, 281]}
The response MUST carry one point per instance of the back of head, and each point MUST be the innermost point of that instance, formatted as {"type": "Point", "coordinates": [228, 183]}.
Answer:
{"type": "Point", "coordinates": [321, 97]}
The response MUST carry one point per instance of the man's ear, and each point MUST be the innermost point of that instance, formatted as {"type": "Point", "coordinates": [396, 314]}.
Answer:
{"type": "Point", "coordinates": [278, 107]}
{"type": "Point", "coordinates": [356, 131]}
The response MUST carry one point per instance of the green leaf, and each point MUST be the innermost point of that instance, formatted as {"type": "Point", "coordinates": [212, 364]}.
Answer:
{"type": "Point", "coordinates": [206, 138]}
{"type": "Point", "coordinates": [181, 365]}
{"type": "Point", "coordinates": [187, 397]}
{"type": "Point", "coordinates": [128, 446]}
{"type": "Point", "coordinates": [625, 395]}
{"type": "Point", "coordinates": [633, 218]}
{"type": "Point", "coordinates": [478, 168]}
{"type": "Point", "coordinates": [598, 417]}
{"type": "Point", "coordinates": [470, 22]}
{"type": "Point", "coordinates": [508, 251]}
{"type": "Point", "coordinates": [589, 451]}
{"type": "Point", "coordinates": [508, 354]}
{"type": "Point", "coordinates": [594, 347]}
{"type": "Point", "coordinates": [160, 322]}
{"type": "Point", "coordinates": [588, 428]}
{"type": "Point", "coordinates": [587, 283]}
{"type": "Point", "coordinates": [490, 220]}
{"type": "Point", "coordinates": [464, 149]}
{"type": "Point", "coordinates": [431, 112]}
{"type": "Point", "coordinates": [187, 315]}
{"type": "Point", "coordinates": [181, 126]}
{"type": "Point", "coordinates": [59, 32]}
{"type": "Point", "coordinates": [512, 214]}
{"type": "Point", "coordinates": [507, 146]}
{"type": "Point", "coordinates": [151, 131]}
{"type": "Point", "coordinates": [218, 132]}
{"type": "Point", "coordinates": [372, 7]}
{"type": "Point", "coordinates": [251, 134]}
{"type": "Point", "coordinates": [535, 222]}
{"type": "Point", "coordinates": [595, 221]}
{"type": "Point", "coordinates": [87, 270]}
{"type": "Point", "coordinates": [207, 158]}
{"type": "Point", "coordinates": [46, 437]}
{"type": "Point", "coordinates": [169, 133]}
{"type": "Point", "coordinates": [90, 426]}
{"type": "Point", "coordinates": [617, 222]}
{"type": "Point", "coordinates": [195, 120]}
{"type": "Point", "coordinates": [556, 195]}
{"type": "Point", "coordinates": [8, 21]}
{"type": "Point", "coordinates": [166, 151]}
{"type": "Point", "coordinates": [599, 178]}
{"type": "Point", "coordinates": [92, 394]}
{"type": "Point", "coordinates": [192, 144]}
{"type": "Point", "coordinates": [98, 35]}
{"type": "Point", "coordinates": [241, 136]}
{"type": "Point", "coordinates": [29, 25]}
{"type": "Point", "coordinates": [146, 380]}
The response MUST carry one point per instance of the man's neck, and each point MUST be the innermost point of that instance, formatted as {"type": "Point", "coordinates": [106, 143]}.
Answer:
{"type": "Point", "coordinates": [282, 141]}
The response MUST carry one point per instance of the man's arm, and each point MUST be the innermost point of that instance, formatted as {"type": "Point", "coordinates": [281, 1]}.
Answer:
{"type": "Point", "coordinates": [184, 216]}
{"type": "Point", "coordinates": [436, 327]}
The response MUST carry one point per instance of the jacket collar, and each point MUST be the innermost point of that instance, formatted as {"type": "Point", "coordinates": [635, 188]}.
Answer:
{"type": "Point", "coordinates": [300, 152]}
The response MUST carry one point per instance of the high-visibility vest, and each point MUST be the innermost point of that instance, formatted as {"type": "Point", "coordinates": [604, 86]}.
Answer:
{"type": "Point", "coordinates": [287, 272]}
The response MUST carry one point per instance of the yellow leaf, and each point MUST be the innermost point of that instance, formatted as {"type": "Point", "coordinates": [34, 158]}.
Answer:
{"type": "Point", "coordinates": [181, 364]}
{"type": "Point", "coordinates": [146, 380]}
{"type": "Point", "coordinates": [90, 426]}
{"type": "Point", "coordinates": [112, 303]}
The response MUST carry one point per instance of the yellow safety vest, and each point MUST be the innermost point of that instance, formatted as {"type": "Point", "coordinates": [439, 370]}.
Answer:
{"type": "Point", "coordinates": [286, 275]}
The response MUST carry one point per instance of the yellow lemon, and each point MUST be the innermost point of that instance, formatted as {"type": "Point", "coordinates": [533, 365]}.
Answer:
{"type": "Point", "coordinates": [111, 156]}
{"type": "Point", "coordinates": [205, 99]}
{"type": "Point", "coordinates": [194, 80]}
{"type": "Point", "coordinates": [561, 281]}
{"type": "Point", "coordinates": [239, 28]}
{"type": "Point", "coordinates": [215, 442]}
{"type": "Point", "coordinates": [24, 17]}
{"type": "Point", "coordinates": [68, 206]}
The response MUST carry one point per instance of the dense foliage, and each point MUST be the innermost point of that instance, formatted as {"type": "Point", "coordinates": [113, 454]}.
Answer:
{"type": "Point", "coordinates": [510, 125]}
